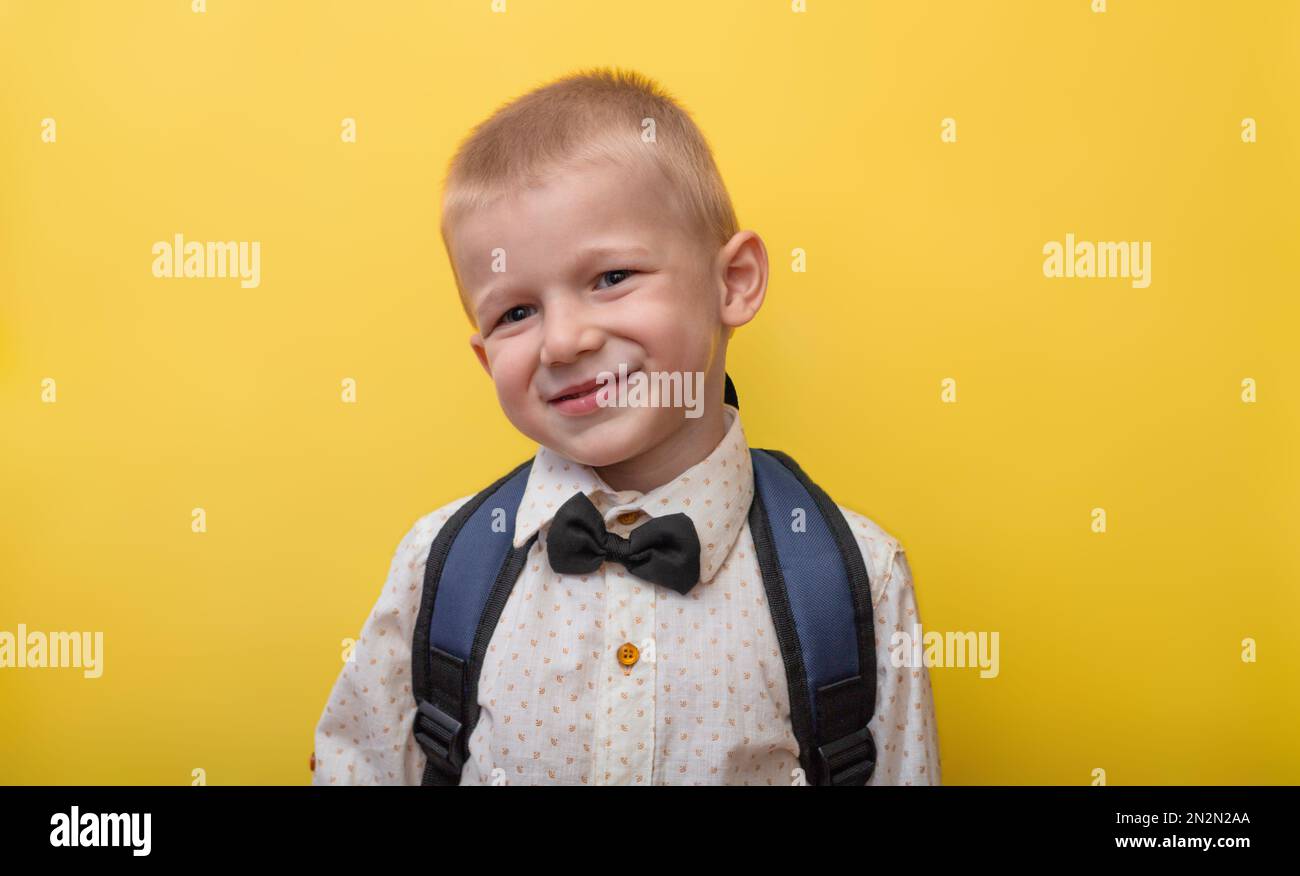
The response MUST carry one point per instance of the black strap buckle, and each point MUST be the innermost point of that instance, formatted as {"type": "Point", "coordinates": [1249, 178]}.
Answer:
{"type": "Point", "coordinates": [439, 735]}
{"type": "Point", "coordinates": [849, 760]}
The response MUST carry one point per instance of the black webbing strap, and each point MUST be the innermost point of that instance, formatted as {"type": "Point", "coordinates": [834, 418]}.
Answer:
{"type": "Point", "coordinates": [729, 396]}
{"type": "Point", "coordinates": [438, 723]}
{"type": "Point", "coordinates": [849, 758]}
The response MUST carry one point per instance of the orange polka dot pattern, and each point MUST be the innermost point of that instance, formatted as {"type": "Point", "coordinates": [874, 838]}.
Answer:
{"type": "Point", "coordinates": [707, 702]}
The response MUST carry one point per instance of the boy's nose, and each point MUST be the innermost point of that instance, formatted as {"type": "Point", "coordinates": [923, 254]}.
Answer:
{"type": "Point", "coordinates": [567, 334]}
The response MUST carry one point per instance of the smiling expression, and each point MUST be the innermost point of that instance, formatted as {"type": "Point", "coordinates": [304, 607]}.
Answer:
{"type": "Point", "coordinates": [601, 268]}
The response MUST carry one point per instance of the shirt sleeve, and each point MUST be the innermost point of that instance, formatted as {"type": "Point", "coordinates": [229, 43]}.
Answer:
{"type": "Point", "coordinates": [364, 735]}
{"type": "Point", "coordinates": [907, 738]}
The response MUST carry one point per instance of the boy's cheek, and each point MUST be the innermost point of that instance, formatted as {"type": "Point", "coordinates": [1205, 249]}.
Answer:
{"type": "Point", "coordinates": [511, 385]}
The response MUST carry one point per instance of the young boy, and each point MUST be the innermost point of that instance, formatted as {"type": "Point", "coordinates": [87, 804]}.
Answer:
{"type": "Point", "coordinates": [593, 241]}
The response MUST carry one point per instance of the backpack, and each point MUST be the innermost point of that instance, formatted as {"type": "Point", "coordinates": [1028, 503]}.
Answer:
{"type": "Point", "coordinates": [817, 589]}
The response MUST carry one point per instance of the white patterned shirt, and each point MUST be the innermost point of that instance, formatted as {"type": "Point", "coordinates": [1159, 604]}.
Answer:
{"type": "Point", "coordinates": [706, 703]}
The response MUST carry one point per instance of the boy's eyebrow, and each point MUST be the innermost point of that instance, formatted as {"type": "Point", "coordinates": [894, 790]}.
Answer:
{"type": "Point", "coordinates": [604, 251]}
{"type": "Point", "coordinates": [485, 303]}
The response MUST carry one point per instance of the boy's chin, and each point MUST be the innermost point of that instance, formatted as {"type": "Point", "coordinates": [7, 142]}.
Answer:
{"type": "Point", "coordinates": [607, 443]}
{"type": "Point", "coordinates": [596, 454]}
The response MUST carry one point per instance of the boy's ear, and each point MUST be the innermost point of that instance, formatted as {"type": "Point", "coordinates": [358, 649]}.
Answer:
{"type": "Point", "coordinates": [742, 265]}
{"type": "Point", "coordinates": [476, 341]}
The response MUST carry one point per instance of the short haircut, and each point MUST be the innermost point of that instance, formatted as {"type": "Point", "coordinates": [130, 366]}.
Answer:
{"type": "Point", "coordinates": [586, 117]}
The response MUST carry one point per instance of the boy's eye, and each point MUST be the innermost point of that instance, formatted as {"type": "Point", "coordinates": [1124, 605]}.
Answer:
{"type": "Point", "coordinates": [621, 274]}
{"type": "Point", "coordinates": [515, 314]}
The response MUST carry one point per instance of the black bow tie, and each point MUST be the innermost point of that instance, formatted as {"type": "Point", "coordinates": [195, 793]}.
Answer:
{"type": "Point", "coordinates": [665, 550]}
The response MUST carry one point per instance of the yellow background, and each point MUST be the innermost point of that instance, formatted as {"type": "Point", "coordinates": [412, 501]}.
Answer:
{"type": "Point", "coordinates": [1119, 651]}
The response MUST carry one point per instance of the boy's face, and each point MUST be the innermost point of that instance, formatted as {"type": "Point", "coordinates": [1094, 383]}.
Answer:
{"type": "Point", "coordinates": [599, 270]}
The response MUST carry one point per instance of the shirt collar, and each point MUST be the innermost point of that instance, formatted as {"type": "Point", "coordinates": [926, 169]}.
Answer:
{"type": "Point", "coordinates": [715, 494]}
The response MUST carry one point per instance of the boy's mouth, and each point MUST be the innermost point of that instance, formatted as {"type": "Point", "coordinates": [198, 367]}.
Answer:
{"type": "Point", "coordinates": [581, 397]}
{"type": "Point", "coordinates": [578, 391]}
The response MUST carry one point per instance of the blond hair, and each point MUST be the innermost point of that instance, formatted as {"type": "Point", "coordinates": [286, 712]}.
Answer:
{"type": "Point", "coordinates": [586, 117]}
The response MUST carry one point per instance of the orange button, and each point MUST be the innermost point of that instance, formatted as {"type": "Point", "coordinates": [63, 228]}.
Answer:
{"type": "Point", "coordinates": [628, 654]}
{"type": "Point", "coordinates": [627, 518]}
{"type": "Point", "coordinates": [313, 761]}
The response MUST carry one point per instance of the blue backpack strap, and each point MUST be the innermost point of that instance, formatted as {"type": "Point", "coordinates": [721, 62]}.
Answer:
{"type": "Point", "coordinates": [472, 568]}
{"type": "Point", "coordinates": [820, 599]}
